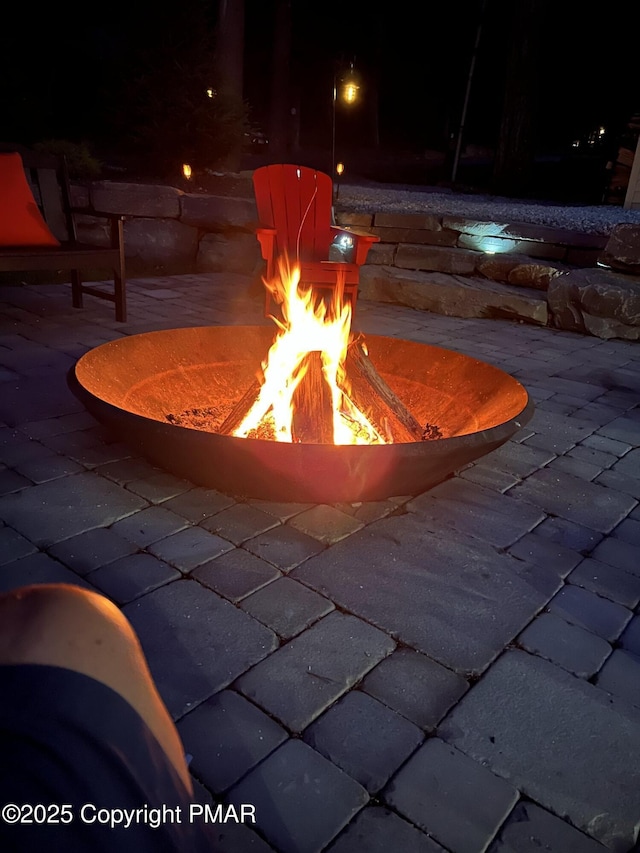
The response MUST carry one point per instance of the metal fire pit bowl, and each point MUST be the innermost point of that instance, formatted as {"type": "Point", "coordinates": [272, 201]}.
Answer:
{"type": "Point", "coordinates": [131, 384]}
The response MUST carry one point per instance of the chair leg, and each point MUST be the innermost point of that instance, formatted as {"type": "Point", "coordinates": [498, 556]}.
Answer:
{"type": "Point", "coordinates": [76, 289]}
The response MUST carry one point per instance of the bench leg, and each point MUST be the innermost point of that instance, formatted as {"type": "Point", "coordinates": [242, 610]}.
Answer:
{"type": "Point", "coordinates": [76, 289]}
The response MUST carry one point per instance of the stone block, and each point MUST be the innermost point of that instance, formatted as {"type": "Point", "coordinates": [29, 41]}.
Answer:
{"type": "Point", "coordinates": [59, 509]}
{"type": "Point", "coordinates": [549, 234]}
{"type": "Point", "coordinates": [378, 830]}
{"type": "Point", "coordinates": [453, 296]}
{"type": "Point", "coordinates": [199, 503]}
{"type": "Point", "coordinates": [195, 642]}
{"type": "Point", "coordinates": [189, 548]}
{"type": "Point", "coordinates": [536, 276]}
{"type": "Point", "coordinates": [587, 504]}
{"type": "Point", "coordinates": [325, 523]}
{"type": "Point", "coordinates": [590, 611]}
{"type": "Point", "coordinates": [227, 736]}
{"type": "Point", "coordinates": [149, 525]}
{"type": "Point", "coordinates": [92, 549]}
{"type": "Point", "coordinates": [359, 220]}
{"type": "Point", "coordinates": [505, 244]}
{"type": "Point", "coordinates": [415, 686]}
{"type": "Point", "coordinates": [451, 597]}
{"type": "Point", "coordinates": [284, 547]}
{"type": "Point", "coordinates": [287, 607]}
{"type": "Point", "coordinates": [93, 230]}
{"type": "Point", "coordinates": [236, 574]}
{"type": "Point", "coordinates": [239, 522]}
{"type": "Point", "coordinates": [344, 735]}
{"type": "Point", "coordinates": [597, 302]}
{"type": "Point", "coordinates": [456, 800]}
{"type": "Point", "coordinates": [233, 252]}
{"type": "Point", "coordinates": [130, 577]}
{"type": "Point", "coordinates": [160, 244]}
{"type": "Point", "coordinates": [457, 505]}
{"type": "Point", "coordinates": [530, 829]}
{"type": "Point", "coordinates": [622, 250]}
{"type": "Point", "coordinates": [35, 569]}
{"type": "Point", "coordinates": [497, 267]}
{"type": "Point", "coordinates": [382, 254]}
{"type": "Point", "coordinates": [621, 676]}
{"type": "Point", "coordinates": [415, 235]}
{"type": "Point", "coordinates": [303, 801]}
{"type": "Point", "coordinates": [145, 200]}
{"type": "Point", "coordinates": [80, 197]}
{"type": "Point", "coordinates": [621, 554]}
{"type": "Point", "coordinates": [423, 221]}
{"type": "Point", "coordinates": [299, 681]}
{"type": "Point", "coordinates": [218, 213]}
{"type": "Point", "coordinates": [13, 546]}
{"type": "Point", "coordinates": [561, 741]}
{"type": "Point", "coordinates": [569, 646]}
{"type": "Point", "coordinates": [436, 259]}
{"type": "Point", "coordinates": [630, 640]}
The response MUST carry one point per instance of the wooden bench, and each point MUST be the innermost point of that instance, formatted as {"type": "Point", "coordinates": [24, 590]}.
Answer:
{"type": "Point", "coordinates": [47, 175]}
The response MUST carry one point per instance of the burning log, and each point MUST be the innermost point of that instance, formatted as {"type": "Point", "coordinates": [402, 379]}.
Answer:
{"type": "Point", "coordinates": [312, 421]}
{"type": "Point", "coordinates": [239, 411]}
{"type": "Point", "coordinates": [372, 395]}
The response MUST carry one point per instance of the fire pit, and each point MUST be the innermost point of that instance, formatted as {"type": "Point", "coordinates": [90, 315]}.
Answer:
{"type": "Point", "coordinates": [165, 393]}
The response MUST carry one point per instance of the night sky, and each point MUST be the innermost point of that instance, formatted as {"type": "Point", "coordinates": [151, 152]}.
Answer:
{"type": "Point", "coordinates": [54, 78]}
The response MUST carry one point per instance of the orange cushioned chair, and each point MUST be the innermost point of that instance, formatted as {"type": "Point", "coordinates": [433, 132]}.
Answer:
{"type": "Point", "coordinates": [38, 229]}
{"type": "Point", "coordinates": [294, 206]}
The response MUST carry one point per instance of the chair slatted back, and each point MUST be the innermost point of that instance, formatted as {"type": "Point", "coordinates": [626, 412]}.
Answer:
{"type": "Point", "coordinates": [296, 201]}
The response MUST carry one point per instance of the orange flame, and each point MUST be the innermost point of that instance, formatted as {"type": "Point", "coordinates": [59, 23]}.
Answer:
{"type": "Point", "coordinates": [307, 326]}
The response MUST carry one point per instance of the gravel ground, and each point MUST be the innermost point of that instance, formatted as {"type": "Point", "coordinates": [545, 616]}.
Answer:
{"type": "Point", "coordinates": [368, 197]}
{"type": "Point", "coordinates": [598, 219]}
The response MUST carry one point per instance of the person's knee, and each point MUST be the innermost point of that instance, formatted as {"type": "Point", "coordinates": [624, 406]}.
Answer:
{"type": "Point", "coordinates": [60, 624]}
{"type": "Point", "coordinates": [70, 627]}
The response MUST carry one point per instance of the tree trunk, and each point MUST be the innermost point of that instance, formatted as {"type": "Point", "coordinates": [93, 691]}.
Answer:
{"type": "Point", "coordinates": [229, 60]}
{"type": "Point", "coordinates": [516, 145]}
{"type": "Point", "coordinates": [280, 113]}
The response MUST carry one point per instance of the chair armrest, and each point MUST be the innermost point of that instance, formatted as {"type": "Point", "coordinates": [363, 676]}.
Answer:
{"type": "Point", "coordinates": [362, 242]}
{"type": "Point", "coordinates": [266, 238]}
{"type": "Point", "coordinates": [116, 222]}
{"type": "Point", "coordinates": [83, 210]}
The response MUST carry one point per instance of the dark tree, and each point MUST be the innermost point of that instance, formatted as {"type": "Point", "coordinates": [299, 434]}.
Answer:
{"type": "Point", "coordinates": [280, 111]}
{"type": "Point", "coordinates": [517, 141]}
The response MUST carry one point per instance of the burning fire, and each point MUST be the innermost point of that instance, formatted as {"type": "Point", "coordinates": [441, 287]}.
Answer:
{"type": "Point", "coordinates": [307, 360]}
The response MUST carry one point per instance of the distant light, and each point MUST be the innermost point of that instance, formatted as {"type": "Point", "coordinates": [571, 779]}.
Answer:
{"type": "Point", "coordinates": [350, 93]}
{"type": "Point", "coordinates": [340, 168]}
{"type": "Point", "coordinates": [211, 93]}
{"type": "Point", "coordinates": [186, 171]}
{"type": "Point", "coordinates": [576, 143]}
{"type": "Point", "coordinates": [602, 131]}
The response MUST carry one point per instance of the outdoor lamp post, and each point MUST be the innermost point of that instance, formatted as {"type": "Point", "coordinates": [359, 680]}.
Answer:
{"type": "Point", "coordinates": [345, 89]}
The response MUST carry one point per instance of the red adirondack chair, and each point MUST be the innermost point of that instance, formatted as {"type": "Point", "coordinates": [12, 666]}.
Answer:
{"type": "Point", "coordinates": [294, 206]}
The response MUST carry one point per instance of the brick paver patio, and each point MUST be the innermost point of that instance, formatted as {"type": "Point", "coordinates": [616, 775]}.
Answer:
{"type": "Point", "coordinates": [454, 671]}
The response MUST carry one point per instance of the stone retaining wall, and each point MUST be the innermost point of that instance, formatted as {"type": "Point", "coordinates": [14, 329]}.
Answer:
{"type": "Point", "coordinates": [445, 264]}
{"type": "Point", "coordinates": [168, 230]}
